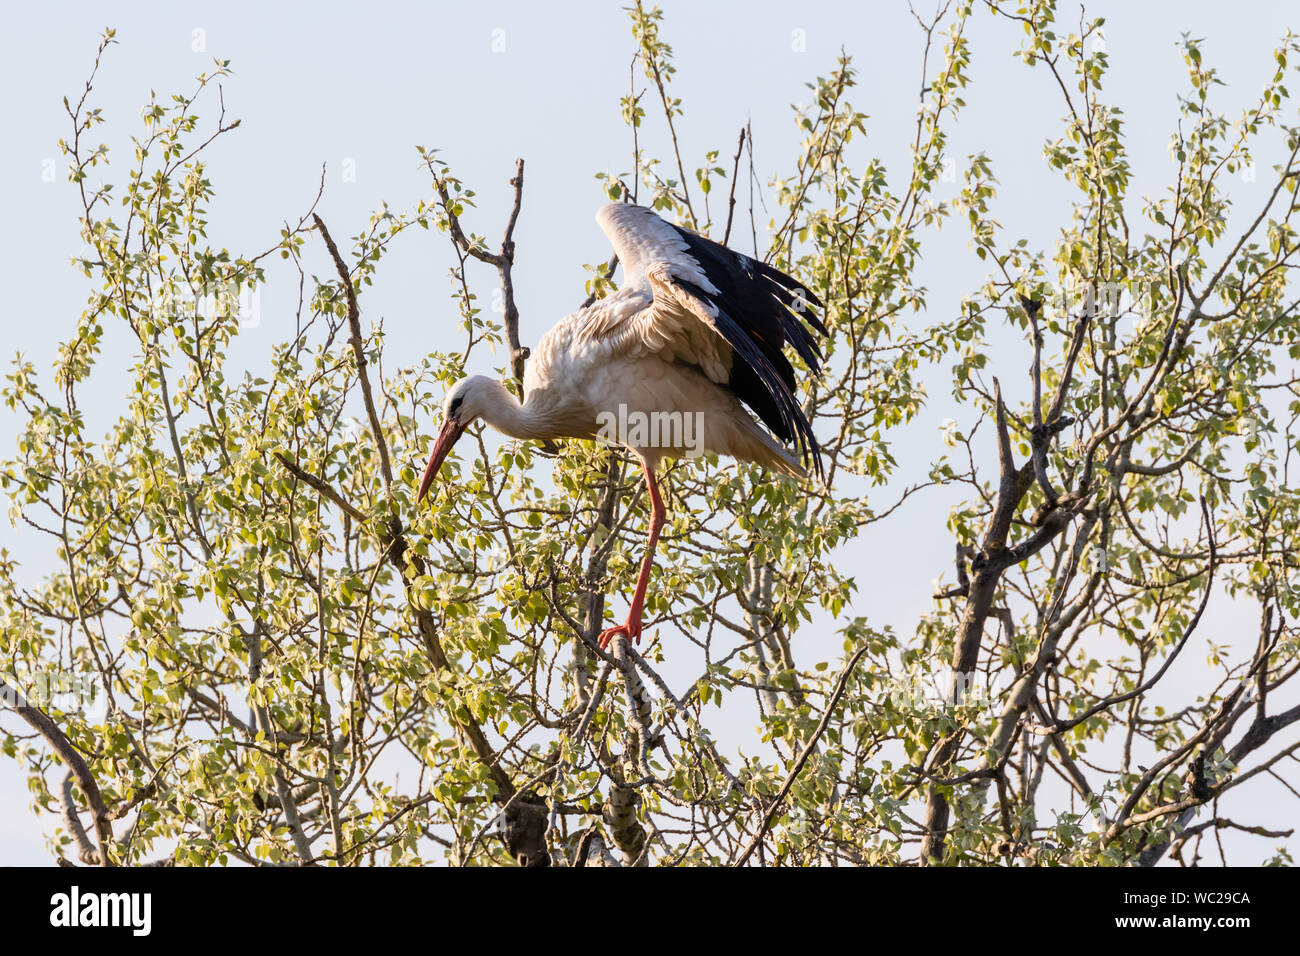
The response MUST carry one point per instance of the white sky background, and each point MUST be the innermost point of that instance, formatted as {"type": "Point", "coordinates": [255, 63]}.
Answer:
{"type": "Point", "coordinates": [317, 84]}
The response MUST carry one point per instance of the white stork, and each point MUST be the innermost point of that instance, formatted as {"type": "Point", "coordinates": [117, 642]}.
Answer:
{"type": "Point", "coordinates": [695, 328]}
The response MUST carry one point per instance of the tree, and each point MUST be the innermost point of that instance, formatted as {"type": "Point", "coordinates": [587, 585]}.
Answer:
{"type": "Point", "coordinates": [291, 663]}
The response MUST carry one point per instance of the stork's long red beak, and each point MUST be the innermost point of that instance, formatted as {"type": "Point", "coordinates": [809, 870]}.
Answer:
{"type": "Point", "coordinates": [446, 438]}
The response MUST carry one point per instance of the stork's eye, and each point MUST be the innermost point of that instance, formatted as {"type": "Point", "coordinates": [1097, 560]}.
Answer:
{"type": "Point", "coordinates": [454, 408]}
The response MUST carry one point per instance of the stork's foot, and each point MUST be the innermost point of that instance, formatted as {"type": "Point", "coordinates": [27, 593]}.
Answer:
{"type": "Point", "coordinates": [630, 631]}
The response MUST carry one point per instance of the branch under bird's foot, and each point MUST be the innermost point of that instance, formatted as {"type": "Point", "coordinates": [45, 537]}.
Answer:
{"type": "Point", "coordinates": [630, 631]}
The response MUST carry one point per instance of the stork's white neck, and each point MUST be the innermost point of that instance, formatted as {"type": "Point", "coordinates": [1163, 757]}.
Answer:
{"type": "Point", "coordinates": [530, 420]}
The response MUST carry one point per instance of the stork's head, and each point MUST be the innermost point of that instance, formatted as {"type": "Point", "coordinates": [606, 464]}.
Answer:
{"type": "Point", "coordinates": [465, 403]}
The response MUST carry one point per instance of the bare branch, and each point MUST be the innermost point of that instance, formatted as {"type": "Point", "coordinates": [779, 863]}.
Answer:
{"type": "Point", "coordinates": [307, 478]}
{"type": "Point", "coordinates": [731, 198]}
{"type": "Point", "coordinates": [358, 351]}
{"type": "Point", "coordinates": [76, 764]}
{"type": "Point", "coordinates": [503, 260]}
{"type": "Point", "coordinates": [809, 747]}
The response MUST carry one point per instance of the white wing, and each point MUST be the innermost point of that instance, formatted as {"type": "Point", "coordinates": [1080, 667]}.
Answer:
{"type": "Point", "coordinates": [651, 313]}
{"type": "Point", "coordinates": [693, 301]}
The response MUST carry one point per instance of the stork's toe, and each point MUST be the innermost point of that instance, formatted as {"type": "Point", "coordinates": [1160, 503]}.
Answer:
{"type": "Point", "coordinates": [628, 631]}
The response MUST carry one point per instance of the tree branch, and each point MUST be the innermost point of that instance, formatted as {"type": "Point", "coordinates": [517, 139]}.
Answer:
{"type": "Point", "coordinates": [309, 479]}
{"type": "Point", "coordinates": [503, 260]}
{"type": "Point", "coordinates": [809, 747]}
{"type": "Point", "coordinates": [76, 764]}
{"type": "Point", "coordinates": [358, 351]}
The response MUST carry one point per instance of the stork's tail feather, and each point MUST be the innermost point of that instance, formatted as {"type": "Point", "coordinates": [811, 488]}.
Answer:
{"type": "Point", "coordinates": [753, 444]}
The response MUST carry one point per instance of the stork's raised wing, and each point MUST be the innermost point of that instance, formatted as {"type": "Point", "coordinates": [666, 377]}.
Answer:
{"type": "Point", "coordinates": [722, 311]}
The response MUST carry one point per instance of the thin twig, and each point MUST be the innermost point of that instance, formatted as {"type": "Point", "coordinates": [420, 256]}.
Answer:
{"type": "Point", "coordinates": [308, 478]}
{"type": "Point", "coordinates": [47, 728]}
{"type": "Point", "coordinates": [503, 260]}
{"type": "Point", "coordinates": [358, 350]}
{"type": "Point", "coordinates": [731, 199]}
{"type": "Point", "coordinates": [803, 756]}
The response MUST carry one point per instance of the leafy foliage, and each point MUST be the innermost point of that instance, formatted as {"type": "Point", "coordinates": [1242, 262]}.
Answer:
{"type": "Point", "coordinates": [292, 663]}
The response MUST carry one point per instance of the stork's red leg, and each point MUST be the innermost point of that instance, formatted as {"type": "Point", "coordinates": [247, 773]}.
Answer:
{"type": "Point", "coordinates": [632, 629]}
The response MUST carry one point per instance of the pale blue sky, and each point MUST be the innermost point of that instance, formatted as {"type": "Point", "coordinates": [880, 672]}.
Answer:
{"type": "Point", "coordinates": [339, 83]}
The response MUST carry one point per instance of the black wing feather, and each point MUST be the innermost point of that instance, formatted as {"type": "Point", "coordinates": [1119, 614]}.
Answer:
{"type": "Point", "coordinates": [759, 309]}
